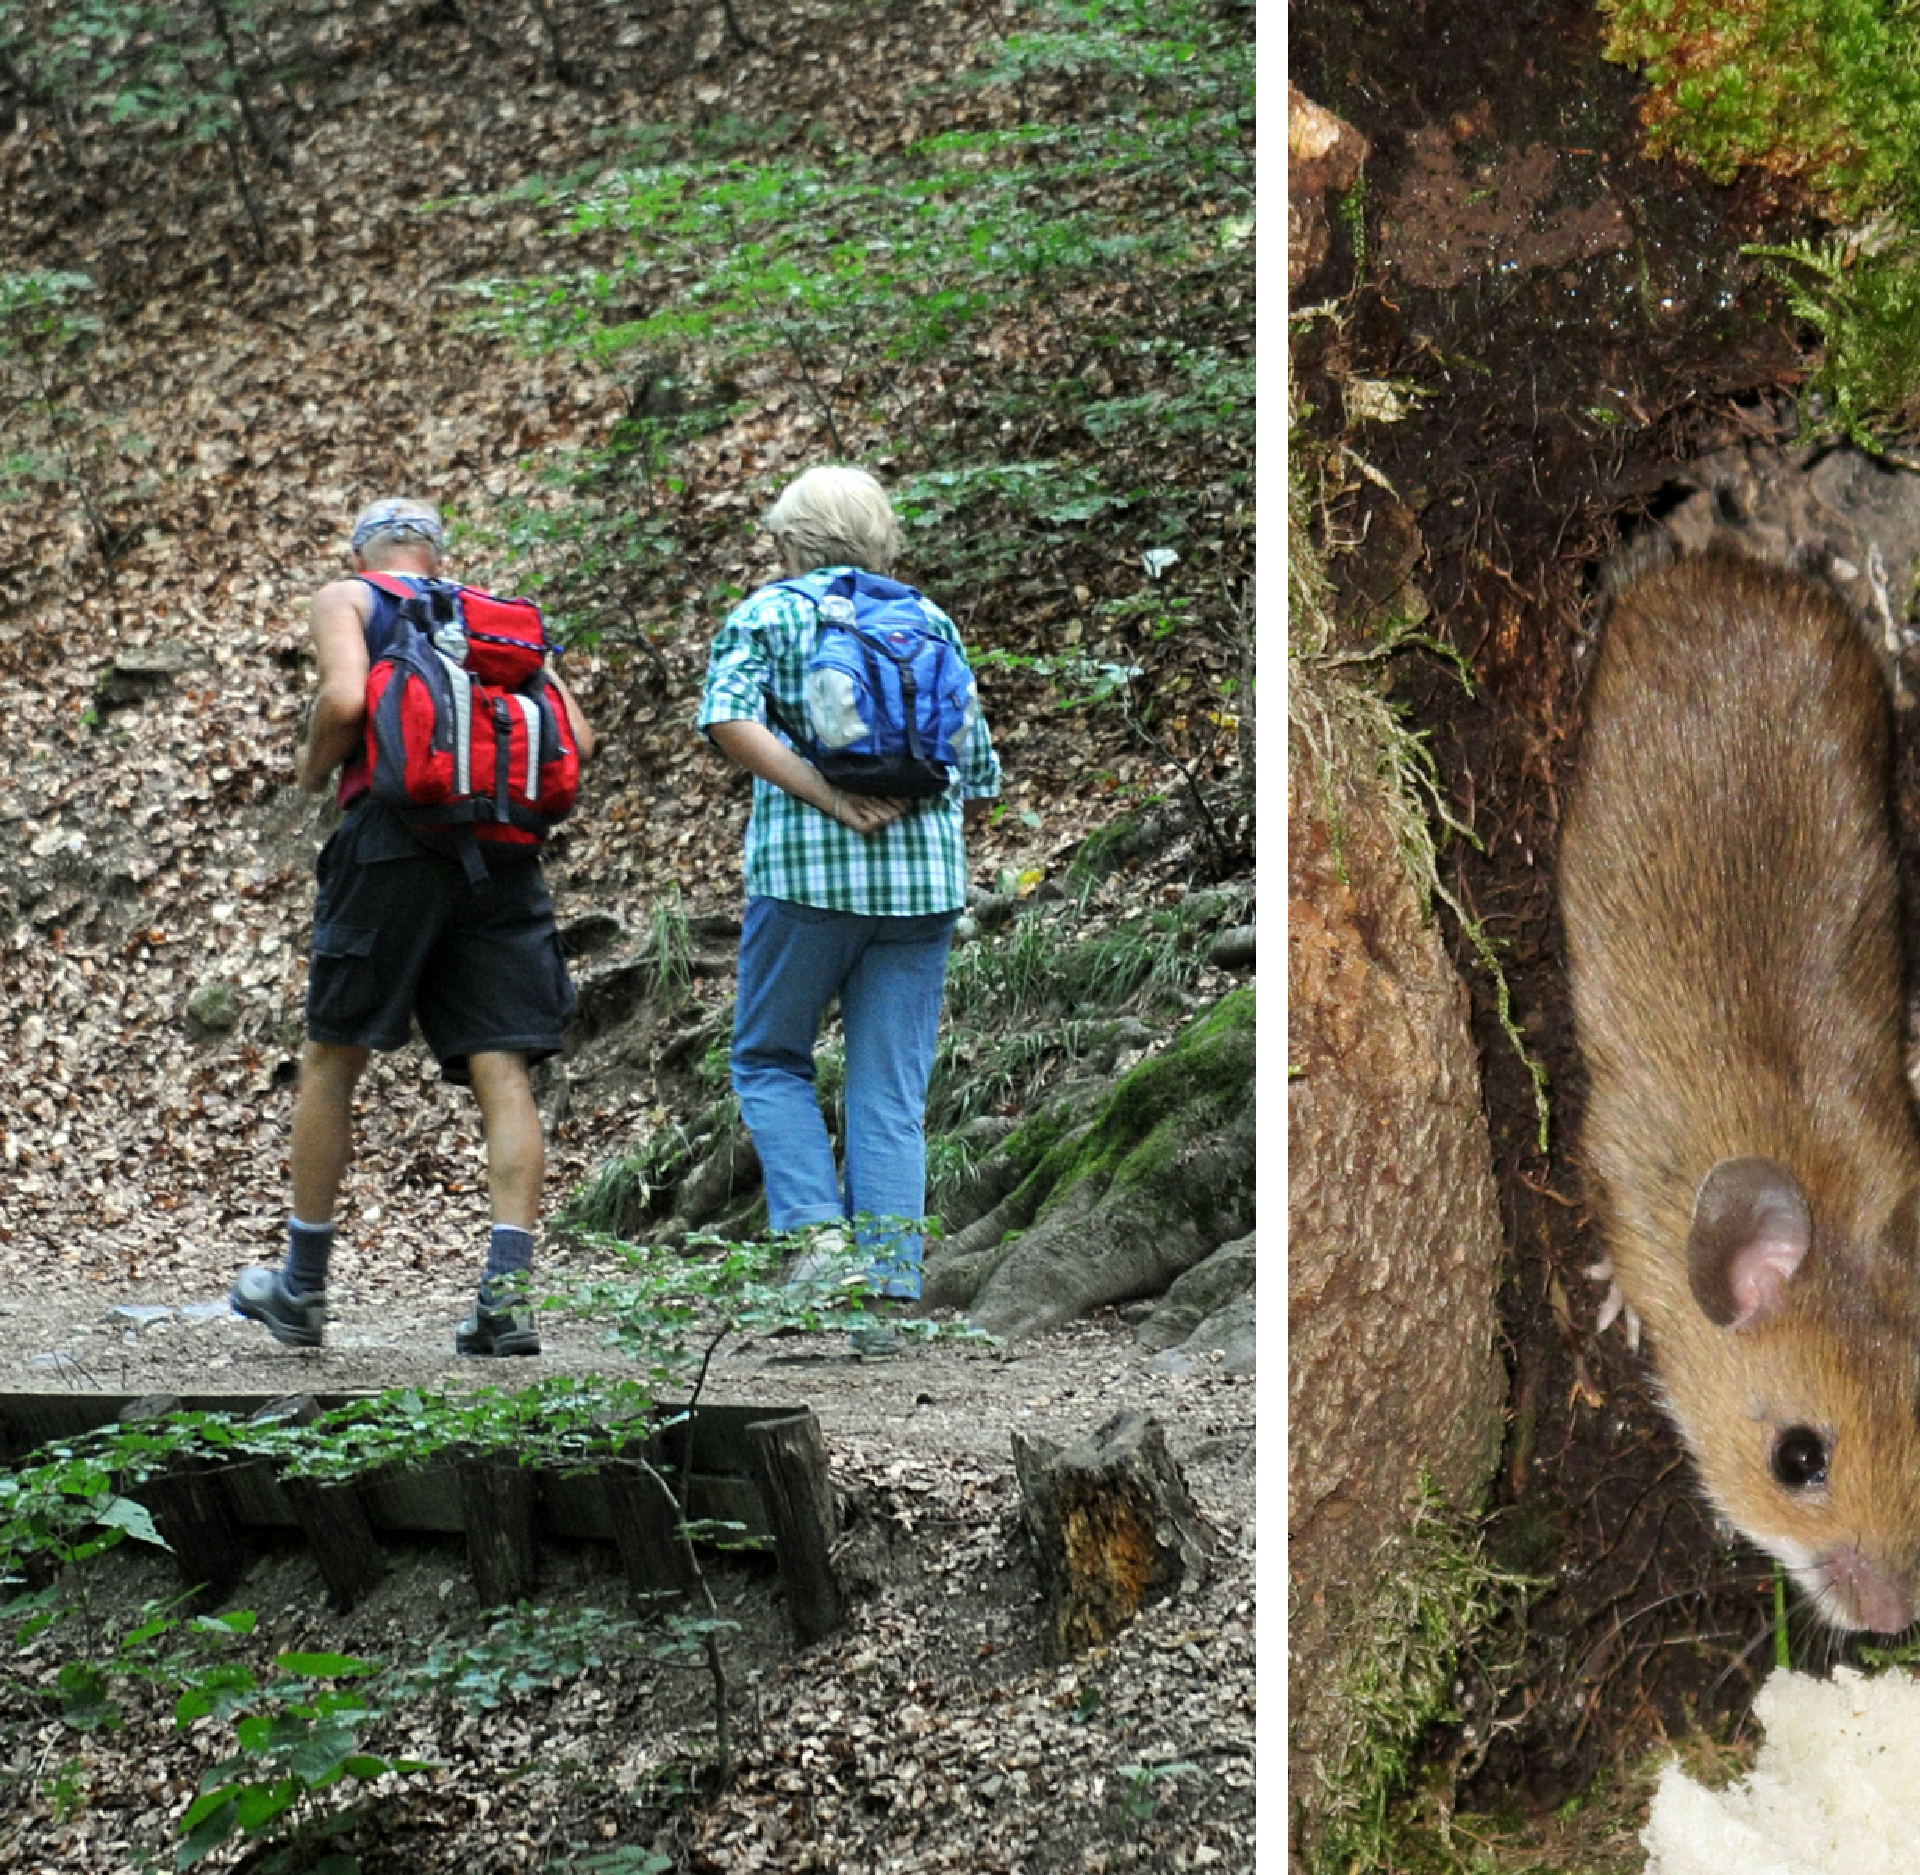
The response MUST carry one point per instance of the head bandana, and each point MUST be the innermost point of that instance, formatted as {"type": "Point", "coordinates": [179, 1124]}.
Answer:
{"type": "Point", "coordinates": [398, 518]}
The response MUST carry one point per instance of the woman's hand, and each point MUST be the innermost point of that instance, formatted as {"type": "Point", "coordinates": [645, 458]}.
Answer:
{"type": "Point", "coordinates": [865, 813]}
{"type": "Point", "coordinates": [760, 752]}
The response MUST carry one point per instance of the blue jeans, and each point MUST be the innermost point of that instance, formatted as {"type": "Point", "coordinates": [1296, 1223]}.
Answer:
{"type": "Point", "coordinates": [889, 974]}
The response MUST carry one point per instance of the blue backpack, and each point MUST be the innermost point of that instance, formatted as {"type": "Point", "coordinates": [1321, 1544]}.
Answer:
{"type": "Point", "coordinates": [889, 700]}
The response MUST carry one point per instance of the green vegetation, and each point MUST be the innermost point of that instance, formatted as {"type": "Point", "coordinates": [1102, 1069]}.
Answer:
{"type": "Point", "coordinates": [623, 1194]}
{"type": "Point", "coordinates": [1823, 91]}
{"type": "Point", "coordinates": [1827, 94]}
{"type": "Point", "coordinates": [1025, 1005]}
{"type": "Point", "coordinates": [1028, 1006]}
{"type": "Point", "coordinates": [73, 1500]}
{"type": "Point", "coordinates": [302, 1721]}
{"type": "Point", "coordinates": [58, 433]}
{"type": "Point", "coordinates": [873, 289]}
{"type": "Point", "coordinates": [302, 1726]}
{"type": "Point", "coordinates": [298, 1734]}
{"type": "Point", "coordinates": [1150, 1112]}
{"type": "Point", "coordinates": [1866, 308]}
{"type": "Point", "coordinates": [671, 1307]}
{"type": "Point", "coordinates": [182, 76]}
{"type": "Point", "coordinates": [1441, 1598]}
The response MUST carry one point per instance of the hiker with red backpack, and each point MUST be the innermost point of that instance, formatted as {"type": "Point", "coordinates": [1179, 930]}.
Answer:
{"type": "Point", "coordinates": [457, 748]}
{"type": "Point", "coordinates": [848, 698]}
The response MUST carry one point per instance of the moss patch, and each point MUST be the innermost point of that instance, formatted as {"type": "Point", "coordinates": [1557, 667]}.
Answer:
{"type": "Point", "coordinates": [1826, 92]}
{"type": "Point", "coordinates": [1440, 1597]}
{"type": "Point", "coordinates": [1152, 1112]}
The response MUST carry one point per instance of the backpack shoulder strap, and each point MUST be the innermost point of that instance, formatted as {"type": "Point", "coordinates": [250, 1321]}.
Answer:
{"type": "Point", "coordinates": [394, 585]}
{"type": "Point", "coordinates": [860, 584]}
{"type": "Point", "coordinates": [809, 586]}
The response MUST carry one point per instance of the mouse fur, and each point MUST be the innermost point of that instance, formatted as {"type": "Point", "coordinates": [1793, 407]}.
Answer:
{"type": "Point", "coordinates": [1730, 902]}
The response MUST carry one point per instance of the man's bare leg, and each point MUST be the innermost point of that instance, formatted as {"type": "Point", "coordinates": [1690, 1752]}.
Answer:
{"type": "Point", "coordinates": [516, 1147]}
{"type": "Point", "coordinates": [502, 1322]}
{"type": "Point", "coordinates": [322, 1143]}
{"type": "Point", "coordinates": [291, 1300]}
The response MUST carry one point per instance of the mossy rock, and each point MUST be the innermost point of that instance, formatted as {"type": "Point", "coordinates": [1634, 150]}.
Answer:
{"type": "Point", "coordinates": [213, 1010]}
{"type": "Point", "coordinates": [1119, 1198]}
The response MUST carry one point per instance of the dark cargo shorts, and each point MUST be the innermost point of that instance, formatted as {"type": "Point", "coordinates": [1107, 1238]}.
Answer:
{"type": "Point", "coordinates": [399, 933]}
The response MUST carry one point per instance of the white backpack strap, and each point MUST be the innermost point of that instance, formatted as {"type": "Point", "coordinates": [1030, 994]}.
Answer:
{"type": "Point", "coordinates": [461, 687]}
{"type": "Point", "coordinates": [531, 711]}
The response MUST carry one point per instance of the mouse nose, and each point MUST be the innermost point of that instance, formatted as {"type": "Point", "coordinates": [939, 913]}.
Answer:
{"type": "Point", "coordinates": [1871, 1596]}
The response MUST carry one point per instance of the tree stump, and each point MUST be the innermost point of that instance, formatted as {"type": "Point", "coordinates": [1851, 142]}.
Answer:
{"type": "Point", "coordinates": [790, 1466]}
{"type": "Point", "coordinates": [1112, 1528]}
{"type": "Point", "coordinates": [496, 1502]}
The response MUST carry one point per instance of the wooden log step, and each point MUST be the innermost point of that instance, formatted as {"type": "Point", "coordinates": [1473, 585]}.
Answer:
{"type": "Point", "coordinates": [761, 1472]}
{"type": "Point", "coordinates": [189, 1506]}
{"type": "Point", "coordinates": [497, 1499]}
{"type": "Point", "coordinates": [790, 1465]}
{"type": "Point", "coordinates": [647, 1528]}
{"type": "Point", "coordinates": [334, 1521]}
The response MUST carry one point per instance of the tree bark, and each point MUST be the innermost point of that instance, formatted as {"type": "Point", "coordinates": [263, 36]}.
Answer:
{"type": "Point", "coordinates": [496, 1499]}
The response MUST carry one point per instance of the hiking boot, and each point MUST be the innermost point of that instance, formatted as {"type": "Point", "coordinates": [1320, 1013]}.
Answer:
{"type": "Point", "coordinates": [501, 1323]}
{"type": "Point", "coordinates": [875, 1338]}
{"type": "Point", "coordinates": [824, 1259]}
{"type": "Point", "coordinates": [262, 1295]}
{"type": "Point", "coordinates": [875, 1341]}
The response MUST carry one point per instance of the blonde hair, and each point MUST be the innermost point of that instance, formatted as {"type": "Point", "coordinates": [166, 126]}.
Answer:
{"type": "Point", "coordinates": [833, 516]}
{"type": "Point", "coordinates": [397, 521]}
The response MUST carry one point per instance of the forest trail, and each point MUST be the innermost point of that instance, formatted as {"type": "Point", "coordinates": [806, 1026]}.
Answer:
{"type": "Point", "coordinates": [180, 478]}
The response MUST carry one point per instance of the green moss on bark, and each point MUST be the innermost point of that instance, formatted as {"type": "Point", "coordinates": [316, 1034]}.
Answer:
{"type": "Point", "coordinates": [1200, 1081]}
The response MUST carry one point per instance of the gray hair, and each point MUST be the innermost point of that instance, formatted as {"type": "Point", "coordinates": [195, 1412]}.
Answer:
{"type": "Point", "coordinates": [396, 521]}
{"type": "Point", "coordinates": [833, 516]}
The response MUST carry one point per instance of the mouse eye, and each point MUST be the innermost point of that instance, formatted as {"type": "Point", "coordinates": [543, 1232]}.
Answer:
{"type": "Point", "coordinates": [1800, 1458]}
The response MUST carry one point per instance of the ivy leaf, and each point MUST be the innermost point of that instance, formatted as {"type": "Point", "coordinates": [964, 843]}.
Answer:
{"type": "Point", "coordinates": [207, 1824]}
{"type": "Point", "coordinates": [326, 1666]}
{"type": "Point", "coordinates": [123, 1513]}
{"type": "Point", "coordinates": [84, 1704]}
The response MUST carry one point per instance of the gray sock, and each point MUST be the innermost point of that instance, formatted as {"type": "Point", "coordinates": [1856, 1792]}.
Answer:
{"type": "Point", "coordinates": [509, 1251]}
{"type": "Point", "coordinates": [310, 1249]}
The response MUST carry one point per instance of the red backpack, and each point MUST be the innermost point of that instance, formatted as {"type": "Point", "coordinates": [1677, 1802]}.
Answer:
{"type": "Point", "coordinates": [465, 736]}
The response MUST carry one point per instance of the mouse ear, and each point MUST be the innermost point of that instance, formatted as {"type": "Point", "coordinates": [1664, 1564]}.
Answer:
{"type": "Point", "coordinates": [1751, 1231]}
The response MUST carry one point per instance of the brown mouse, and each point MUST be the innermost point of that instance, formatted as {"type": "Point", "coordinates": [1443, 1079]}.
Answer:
{"type": "Point", "coordinates": [1727, 882]}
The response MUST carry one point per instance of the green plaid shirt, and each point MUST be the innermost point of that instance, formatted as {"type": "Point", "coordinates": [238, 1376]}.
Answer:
{"type": "Point", "coordinates": [915, 865]}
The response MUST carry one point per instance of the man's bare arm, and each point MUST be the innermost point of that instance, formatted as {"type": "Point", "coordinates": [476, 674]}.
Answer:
{"type": "Point", "coordinates": [584, 738]}
{"type": "Point", "coordinates": [339, 626]}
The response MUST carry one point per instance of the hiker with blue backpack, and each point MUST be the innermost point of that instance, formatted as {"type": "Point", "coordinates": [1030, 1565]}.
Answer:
{"type": "Point", "coordinates": [457, 747]}
{"type": "Point", "coordinates": [848, 698]}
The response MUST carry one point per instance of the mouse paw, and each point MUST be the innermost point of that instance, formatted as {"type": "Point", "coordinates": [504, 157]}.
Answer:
{"type": "Point", "coordinates": [1614, 1307]}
